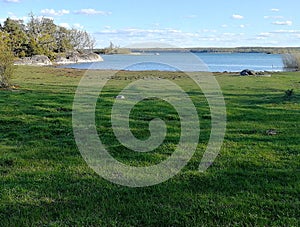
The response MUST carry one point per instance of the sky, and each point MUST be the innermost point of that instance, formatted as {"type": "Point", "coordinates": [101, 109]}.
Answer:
{"type": "Point", "coordinates": [189, 23]}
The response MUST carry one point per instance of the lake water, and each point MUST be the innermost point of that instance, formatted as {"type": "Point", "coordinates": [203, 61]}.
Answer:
{"type": "Point", "coordinates": [166, 61]}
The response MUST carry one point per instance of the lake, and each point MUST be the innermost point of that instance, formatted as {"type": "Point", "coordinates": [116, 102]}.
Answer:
{"type": "Point", "coordinates": [176, 61]}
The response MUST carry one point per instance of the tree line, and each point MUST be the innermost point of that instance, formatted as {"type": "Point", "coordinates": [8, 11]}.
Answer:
{"type": "Point", "coordinates": [41, 36]}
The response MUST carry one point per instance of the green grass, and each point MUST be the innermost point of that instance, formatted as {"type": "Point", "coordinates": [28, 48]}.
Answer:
{"type": "Point", "coordinates": [255, 180]}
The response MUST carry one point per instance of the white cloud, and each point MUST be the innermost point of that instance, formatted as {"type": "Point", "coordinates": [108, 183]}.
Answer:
{"type": "Point", "coordinates": [169, 35]}
{"type": "Point", "coordinates": [275, 10]}
{"type": "Point", "coordinates": [237, 17]}
{"type": "Point", "coordinates": [136, 32]}
{"type": "Point", "coordinates": [288, 23]}
{"type": "Point", "coordinates": [65, 25]}
{"type": "Point", "coordinates": [52, 12]}
{"type": "Point", "coordinates": [92, 12]}
{"type": "Point", "coordinates": [273, 17]}
{"type": "Point", "coordinates": [47, 17]}
{"type": "Point", "coordinates": [15, 17]}
{"type": "Point", "coordinates": [242, 26]}
{"type": "Point", "coordinates": [78, 26]}
{"type": "Point", "coordinates": [205, 37]}
{"type": "Point", "coordinates": [12, 1]}
{"type": "Point", "coordinates": [208, 30]}
{"type": "Point", "coordinates": [265, 34]}
{"type": "Point", "coordinates": [229, 34]}
{"type": "Point", "coordinates": [286, 31]}
{"type": "Point", "coordinates": [224, 26]}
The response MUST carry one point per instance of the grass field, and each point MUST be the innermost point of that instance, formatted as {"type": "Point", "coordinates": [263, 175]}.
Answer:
{"type": "Point", "coordinates": [255, 180]}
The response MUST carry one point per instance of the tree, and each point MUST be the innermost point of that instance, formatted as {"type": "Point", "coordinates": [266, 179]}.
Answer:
{"type": "Point", "coordinates": [63, 40]}
{"type": "Point", "coordinates": [6, 63]}
{"type": "Point", "coordinates": [17, 38]}
{"type": "Point", "coordinates": [41, 32]}
{"type": "Point", "coordinates": [41, 36]}
{"type": "Point", "coordinates": [81, 40]}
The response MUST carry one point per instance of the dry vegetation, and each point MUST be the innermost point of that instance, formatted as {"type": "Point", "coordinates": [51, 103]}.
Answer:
{"type": "Point", "coordinates": [291, 60]}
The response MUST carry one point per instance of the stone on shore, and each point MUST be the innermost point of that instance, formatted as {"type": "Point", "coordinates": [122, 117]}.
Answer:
{"type": "Point", "coordinates": [69, 58]}
{"type": "Point", "coordinates": [75, 57]}
{"type": "Point", "coordinates": [37, 60]}
{"type": "Point", "coordinates": [247, 72]}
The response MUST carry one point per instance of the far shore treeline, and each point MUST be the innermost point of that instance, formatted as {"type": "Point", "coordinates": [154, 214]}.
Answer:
{"type": "Point", "coordinates": [41, 36]}
{"type": "Point", "coordinates": [267, 50]}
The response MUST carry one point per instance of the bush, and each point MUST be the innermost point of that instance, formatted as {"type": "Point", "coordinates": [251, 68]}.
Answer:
{"type": "Point", "coordinates": [289, 93]}
{"type": "Point", "coordinates": [6, 65]}
{"type": "Point", "coordinates": [291, 61]}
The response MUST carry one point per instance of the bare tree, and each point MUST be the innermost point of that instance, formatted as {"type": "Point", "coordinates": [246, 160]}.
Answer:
{"type": "Point", "coordinates": [81, 40]}
{"type": "Point", "coordinates": [42, 34]}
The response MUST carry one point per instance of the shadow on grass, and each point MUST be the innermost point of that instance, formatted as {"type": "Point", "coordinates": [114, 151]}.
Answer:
{"type": "Point", "coordinates": [223, 197]}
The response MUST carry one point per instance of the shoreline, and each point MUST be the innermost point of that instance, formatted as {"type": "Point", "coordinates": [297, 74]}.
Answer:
{"type": "Point", "coordinates": [71, 58]}
{"type": "Point", "coordinates": [235, 73]}
{"type": "Point", "coordinates": [61, 66]}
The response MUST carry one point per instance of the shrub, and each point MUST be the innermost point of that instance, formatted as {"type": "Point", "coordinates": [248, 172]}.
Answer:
{"type": "Point", "coordinates": [291, 61]}
{"type": "Point", "coordinates": [6, 65]}
{"type": "Point", "coordinates": [289, 93]}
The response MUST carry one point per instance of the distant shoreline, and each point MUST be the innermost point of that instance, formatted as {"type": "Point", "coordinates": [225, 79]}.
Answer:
{"type": "Point", "coordinates": [267, 50]}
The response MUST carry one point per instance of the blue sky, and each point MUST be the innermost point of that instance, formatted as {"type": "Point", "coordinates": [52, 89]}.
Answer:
{"type": "Point", "coordinates": [190, 23]}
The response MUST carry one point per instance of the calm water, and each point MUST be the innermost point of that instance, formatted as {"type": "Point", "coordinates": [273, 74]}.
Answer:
{"type": "Point", "coordinates": [214, 62]}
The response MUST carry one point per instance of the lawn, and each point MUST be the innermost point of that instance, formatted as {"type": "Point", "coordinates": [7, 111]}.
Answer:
{"type": "Point", "coordinates": [255, 180]}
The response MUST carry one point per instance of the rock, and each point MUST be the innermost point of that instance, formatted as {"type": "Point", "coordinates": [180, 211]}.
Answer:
{"type": "Point", "coordinates": [260, 73]}
{"type": "Point", "coordinates": [62, 60]}
{"type": "Point", "coordinates": [120, 97]}
{"type": "Point", "coordinates": [70, 58]}
{"type": "Point", "coordinates": [62, 109]}
{"type": "Point", "coordinates": [75, 57]}
{"type": "Point", "coordinates": [37, 60]}
{"type": "Point", "coordinates": [247, 72]}
{"type": "Point", "coordinates": [271, 132]}
{"type": "Point", "coordinates": [24, 61]}
{"type": "Point", "coordinates": [91, 57]}
{"type": "Point", "coordinates": [40, 60]}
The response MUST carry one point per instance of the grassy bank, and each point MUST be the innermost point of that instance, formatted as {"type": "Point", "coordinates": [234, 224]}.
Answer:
{"type": "Point", "coordinates": [254, 181]}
